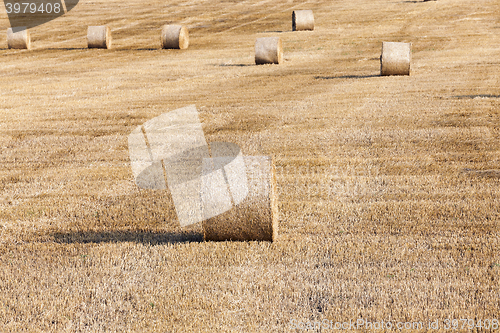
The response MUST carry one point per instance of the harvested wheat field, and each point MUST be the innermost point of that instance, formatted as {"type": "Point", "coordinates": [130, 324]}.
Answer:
{"type": "Point", "coordinates": [387, 186]}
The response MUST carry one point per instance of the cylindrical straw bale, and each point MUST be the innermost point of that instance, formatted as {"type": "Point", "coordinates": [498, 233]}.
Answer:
{"type": "Point", "coordinates": [254, 218]}
{"type": "Point", "coordinates": [395, 58]}
{"type": "Point", "coordinates": [174, 37]}
{"type": "Point", "coordinates": [99, 37]}
{"type": "Point", "coordinates": [302, 20]}
{"type": "Point", "coordinates": [18, 38]}
{"type": "Point", "coordinates": [268, 50]}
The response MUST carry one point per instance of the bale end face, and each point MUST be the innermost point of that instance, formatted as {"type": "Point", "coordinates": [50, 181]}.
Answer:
{"type": "Point", "coordinates": [268, 50]}
{"type": "Point", "coordinates": [302, 20]}
{"type": "Point", "coordinates": [18, 38]}
{"type": "Point", "coordinates": [99, 37]}
{"type": "Point", "coordinates": [256, 217]}
{"type": "Point", "coordinates": [395, 59]}
{"type": "Point", "coordinates": [174, 37]}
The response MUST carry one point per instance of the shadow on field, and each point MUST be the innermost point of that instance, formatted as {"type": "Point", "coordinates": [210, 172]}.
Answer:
{"type": "Point", "coordinates": [490, 174]}
{"type": "Point", "coordinates": [235, 65]}
{"type": "Point", "coordinates": [476, 96]}
{"type": "Point", "coordinates": [66, 48]}
{"type": "Point", "coordinates": [345, 77]}
{"type": "Point", "coordinates": [118, 236]}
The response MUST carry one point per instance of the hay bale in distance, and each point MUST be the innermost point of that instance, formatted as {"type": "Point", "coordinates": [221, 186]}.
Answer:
{"type": "Point", "coordinates": [302, 20]}
{"type": "Point", "coordinates": [174, 37]}
{"type": "Point", "coordinates": [395, 59]}
{"type": "Point", "coordinates": [268, 50]}
{"type": "Point", "coordinates": [256, 217]}
{"type": "Point", "coordinates": [18, 38]}
{"type": "Point", "coordinates": [99, 37]}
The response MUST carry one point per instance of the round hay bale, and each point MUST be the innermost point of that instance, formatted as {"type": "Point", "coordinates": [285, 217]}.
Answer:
{"type": "Point", "coordinates": [302, 20]}
{"type": "Point", "coordinates": [99, 37]}
{"type": "Point", "coordinates": [255, 218]}
{"type": "Point", "coordinates": [395, 58]}
{"type": "Point", "coordinates": [18, 38]}
{"type": "Point", "coordinates": [174, 37]}
{"type": "Point", "coordinates": [224, 179]}
{"type": "Point", "coordinates": [268, 50]}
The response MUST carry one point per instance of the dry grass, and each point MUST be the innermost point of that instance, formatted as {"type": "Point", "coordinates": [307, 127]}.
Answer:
{"type": "Point", "coordinates": [388, 186]}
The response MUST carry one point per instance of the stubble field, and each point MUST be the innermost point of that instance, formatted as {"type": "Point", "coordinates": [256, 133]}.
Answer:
{"type": "Point", "coordinates": [388, 187]}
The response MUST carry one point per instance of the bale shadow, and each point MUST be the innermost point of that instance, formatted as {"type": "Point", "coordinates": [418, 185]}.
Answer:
{"type": "Point", "coordinates": [66, 48]}
{"type": "Point", "coordinates": [489, 174]}
{"type": "Point", "coordinates": [235, 65]}
{"type": "Point", "coordinates": [275, 31]}
{"type": "Point", "coordinates": [346, 77]}
{"type": "Point", "coordinates": [476, 96]}
{"type": "Point", "coordinates": [128, 49]}
{"type": "Point", "coordinates": [119, 236]}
